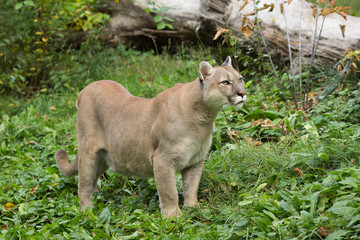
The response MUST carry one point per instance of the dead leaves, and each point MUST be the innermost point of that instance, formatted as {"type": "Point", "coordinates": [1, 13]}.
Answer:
{"type": "Point", "coordinates": [342, 28]}
{"type": "Point", "coordinates": [247, 31]}
{"type": "Point", "coordinates": [342, 11]}
{"type": "Point", "coordinates": [299, 171]}
{"type": "Point", "coordinates": [220, 31]}
{"type": "Point", "coordinates": [252, 142]}
{"type": "Point", "coordinates": [33, 190]}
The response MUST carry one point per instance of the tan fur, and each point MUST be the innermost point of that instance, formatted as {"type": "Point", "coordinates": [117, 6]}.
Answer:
{"type": "Point", "coordinates": [151, 137]}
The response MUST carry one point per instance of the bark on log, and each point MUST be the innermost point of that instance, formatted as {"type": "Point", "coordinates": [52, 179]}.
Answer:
{"type": "Point", "coordinates": [199, 19]}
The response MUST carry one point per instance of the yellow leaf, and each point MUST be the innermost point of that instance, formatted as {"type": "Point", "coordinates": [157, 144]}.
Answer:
{"type": "Point", "coordinates": [55, 17]}
{"type": "Point", "coordinates": [35, 20]}
{"type": "Point", "coordinates": [219, 32]}
{"type": "Point", "coordinates": [32, 69]}
{"type": "Point", "coordinates": [44, 39]}
{"type": "Point", "coordinates": [38, 42]}
{"type": "Point", "coordinates": [39, 33]}
{"type": "Point", "coordinates": [342, 28]}
{"type": "Point", "coordinates": [233, 184]}
{"type": "Point", "coordinates": [9, 206]}
{"type": "Point", "coordinates": [39, 50]}
{"type": "Point", "coordinates": [52, 108]}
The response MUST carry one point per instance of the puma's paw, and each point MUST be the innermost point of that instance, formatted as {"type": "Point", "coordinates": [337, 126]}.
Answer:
{"type": "Point", "coordinates": [171, 212]}
{"type": "Point", "coordinates": [193, 203]}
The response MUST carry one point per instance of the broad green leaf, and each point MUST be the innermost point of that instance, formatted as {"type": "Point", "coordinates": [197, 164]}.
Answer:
{"type": "Point", "coordinates": [261, 186]}
{"type": "Point", "coordinates": [310, 126]}
{"type": "Point", "coordinates": [350, 181]}
{"type": "Point", "coordinates": [164, 9]}
{"type": "Point", "coordinates": [2, 128]}
{"type": "Point", "coordinates": [29, 3]}
{"type": "Point", "coordinates": [245, 202]}
{"type": "Point", "coordinates": [168, 25]}
{"type": "Point", "coordinates": [23, 207]}
{"type": "Point", "coordinates": [270, 214]}
{"type": "Point", "coordinates": [343, 211]}
{"type": "Point", "coordinates": [158, 18]}
{"type": "Point", "coordinates": [66, 235]}
{"type": "Point", "coordinates": [306, 218]}
{"type": "Point", "coordinates": [313, 202]}
{"type": "Point", "coordinates": [105, 216]}
{"type": "Point", "coordinates": [169, 19]}
{"type": "Point", "coordinates": [161, 25]}
{"type": "Point", "coordinates": [154, 10]}
{"type": "Point", "coordinates": [248, 84]}
{"type": "Point", "coordinates": [90, 214]}
{"type": "Point", "coordinates": [257, 114]}
{"type": "Point", "coordinates": [336, 235]}
{"type": "Point", "coordinates": [18, 6]}
{"type": "Point", "coordinates": [354, 220]}
{"type": "Point", "coordinates": [288, 207]}
{"type": "Point", "coordinates": [241, 223]}
{"type": "Point", "coordinates": [324, 156]}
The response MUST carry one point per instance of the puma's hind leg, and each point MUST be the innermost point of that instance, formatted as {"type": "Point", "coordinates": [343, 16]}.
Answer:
{"type": "Point", "coordinates": [101, 167]}
{"type": "Point", "coordinates": [91, 165]}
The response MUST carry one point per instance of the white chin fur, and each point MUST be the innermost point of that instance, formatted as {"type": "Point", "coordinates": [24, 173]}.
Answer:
{"type": "Point", "coordinates": [239, 101]}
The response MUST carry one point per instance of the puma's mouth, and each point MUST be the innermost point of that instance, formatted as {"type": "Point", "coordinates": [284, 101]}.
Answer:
{"type": "Point", "coordinates": [239, 104]}
{"type": "Point", "coordinates": [238, 101]}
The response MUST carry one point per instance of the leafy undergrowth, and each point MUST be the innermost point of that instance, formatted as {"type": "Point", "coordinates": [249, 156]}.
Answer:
{"type": "Point", "coordinates": [274, 174]}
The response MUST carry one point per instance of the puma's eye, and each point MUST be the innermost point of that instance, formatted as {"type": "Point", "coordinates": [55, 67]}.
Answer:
{"type": "Point", "coordinates": [226, 82]}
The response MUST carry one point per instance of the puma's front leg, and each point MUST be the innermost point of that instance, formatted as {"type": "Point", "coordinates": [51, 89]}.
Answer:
{"type": "Point", "coordinates": [191, 179]}
{"type": "Point", "coordinates": [164, 173]}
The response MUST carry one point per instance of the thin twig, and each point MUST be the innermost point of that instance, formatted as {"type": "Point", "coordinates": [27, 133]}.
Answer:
{"type": "Point", "coordinates": [314, 48]}
{"type": "Point", "coordinates": [300, 80]}
{"type": "Point", "coordinates": [290, 56]}
{"type": "Point", "coordinates": [269, 56]}
{"type": "Point", "coordinates": [282, 60]}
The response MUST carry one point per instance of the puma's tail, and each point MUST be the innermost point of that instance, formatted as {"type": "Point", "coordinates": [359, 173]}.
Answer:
{"type": "Point", "coordinates": [66, 168]}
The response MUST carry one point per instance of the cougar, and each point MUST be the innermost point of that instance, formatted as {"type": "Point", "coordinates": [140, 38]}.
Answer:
{"type": "Point", "coordinates": [155, 137]}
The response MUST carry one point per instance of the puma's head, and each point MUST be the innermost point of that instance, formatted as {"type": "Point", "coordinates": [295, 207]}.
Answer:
{"type": "Point", "coordinates": [222, 85]}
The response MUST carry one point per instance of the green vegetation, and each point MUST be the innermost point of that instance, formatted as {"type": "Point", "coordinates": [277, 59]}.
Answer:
{"type": "Point", "coordinates": [274, 172]}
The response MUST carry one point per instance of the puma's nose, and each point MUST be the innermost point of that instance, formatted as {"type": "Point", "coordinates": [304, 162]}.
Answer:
{"type": "Point", "coordinates": [241, 94]}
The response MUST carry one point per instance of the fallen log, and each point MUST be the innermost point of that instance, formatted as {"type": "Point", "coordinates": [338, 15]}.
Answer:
{"type": "Point", "coordinates": [196, 20]}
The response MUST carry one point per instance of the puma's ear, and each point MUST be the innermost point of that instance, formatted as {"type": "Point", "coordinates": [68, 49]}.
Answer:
{"type": "Point", "coordinates": [205, 70]}
{"type": "Point", "coordinates": [227, 62]}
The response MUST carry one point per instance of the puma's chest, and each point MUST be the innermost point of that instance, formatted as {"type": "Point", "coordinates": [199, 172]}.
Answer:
{"type": "Point", "coordinates": [190, 151]}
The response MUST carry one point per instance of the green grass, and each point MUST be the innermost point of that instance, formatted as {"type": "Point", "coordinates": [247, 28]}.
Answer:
{"type": "Point", "coordinates": [303, 184]}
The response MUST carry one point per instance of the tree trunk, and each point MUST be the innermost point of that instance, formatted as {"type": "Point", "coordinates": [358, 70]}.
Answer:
{"type": "Point", "coordinates": [199, 19]}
